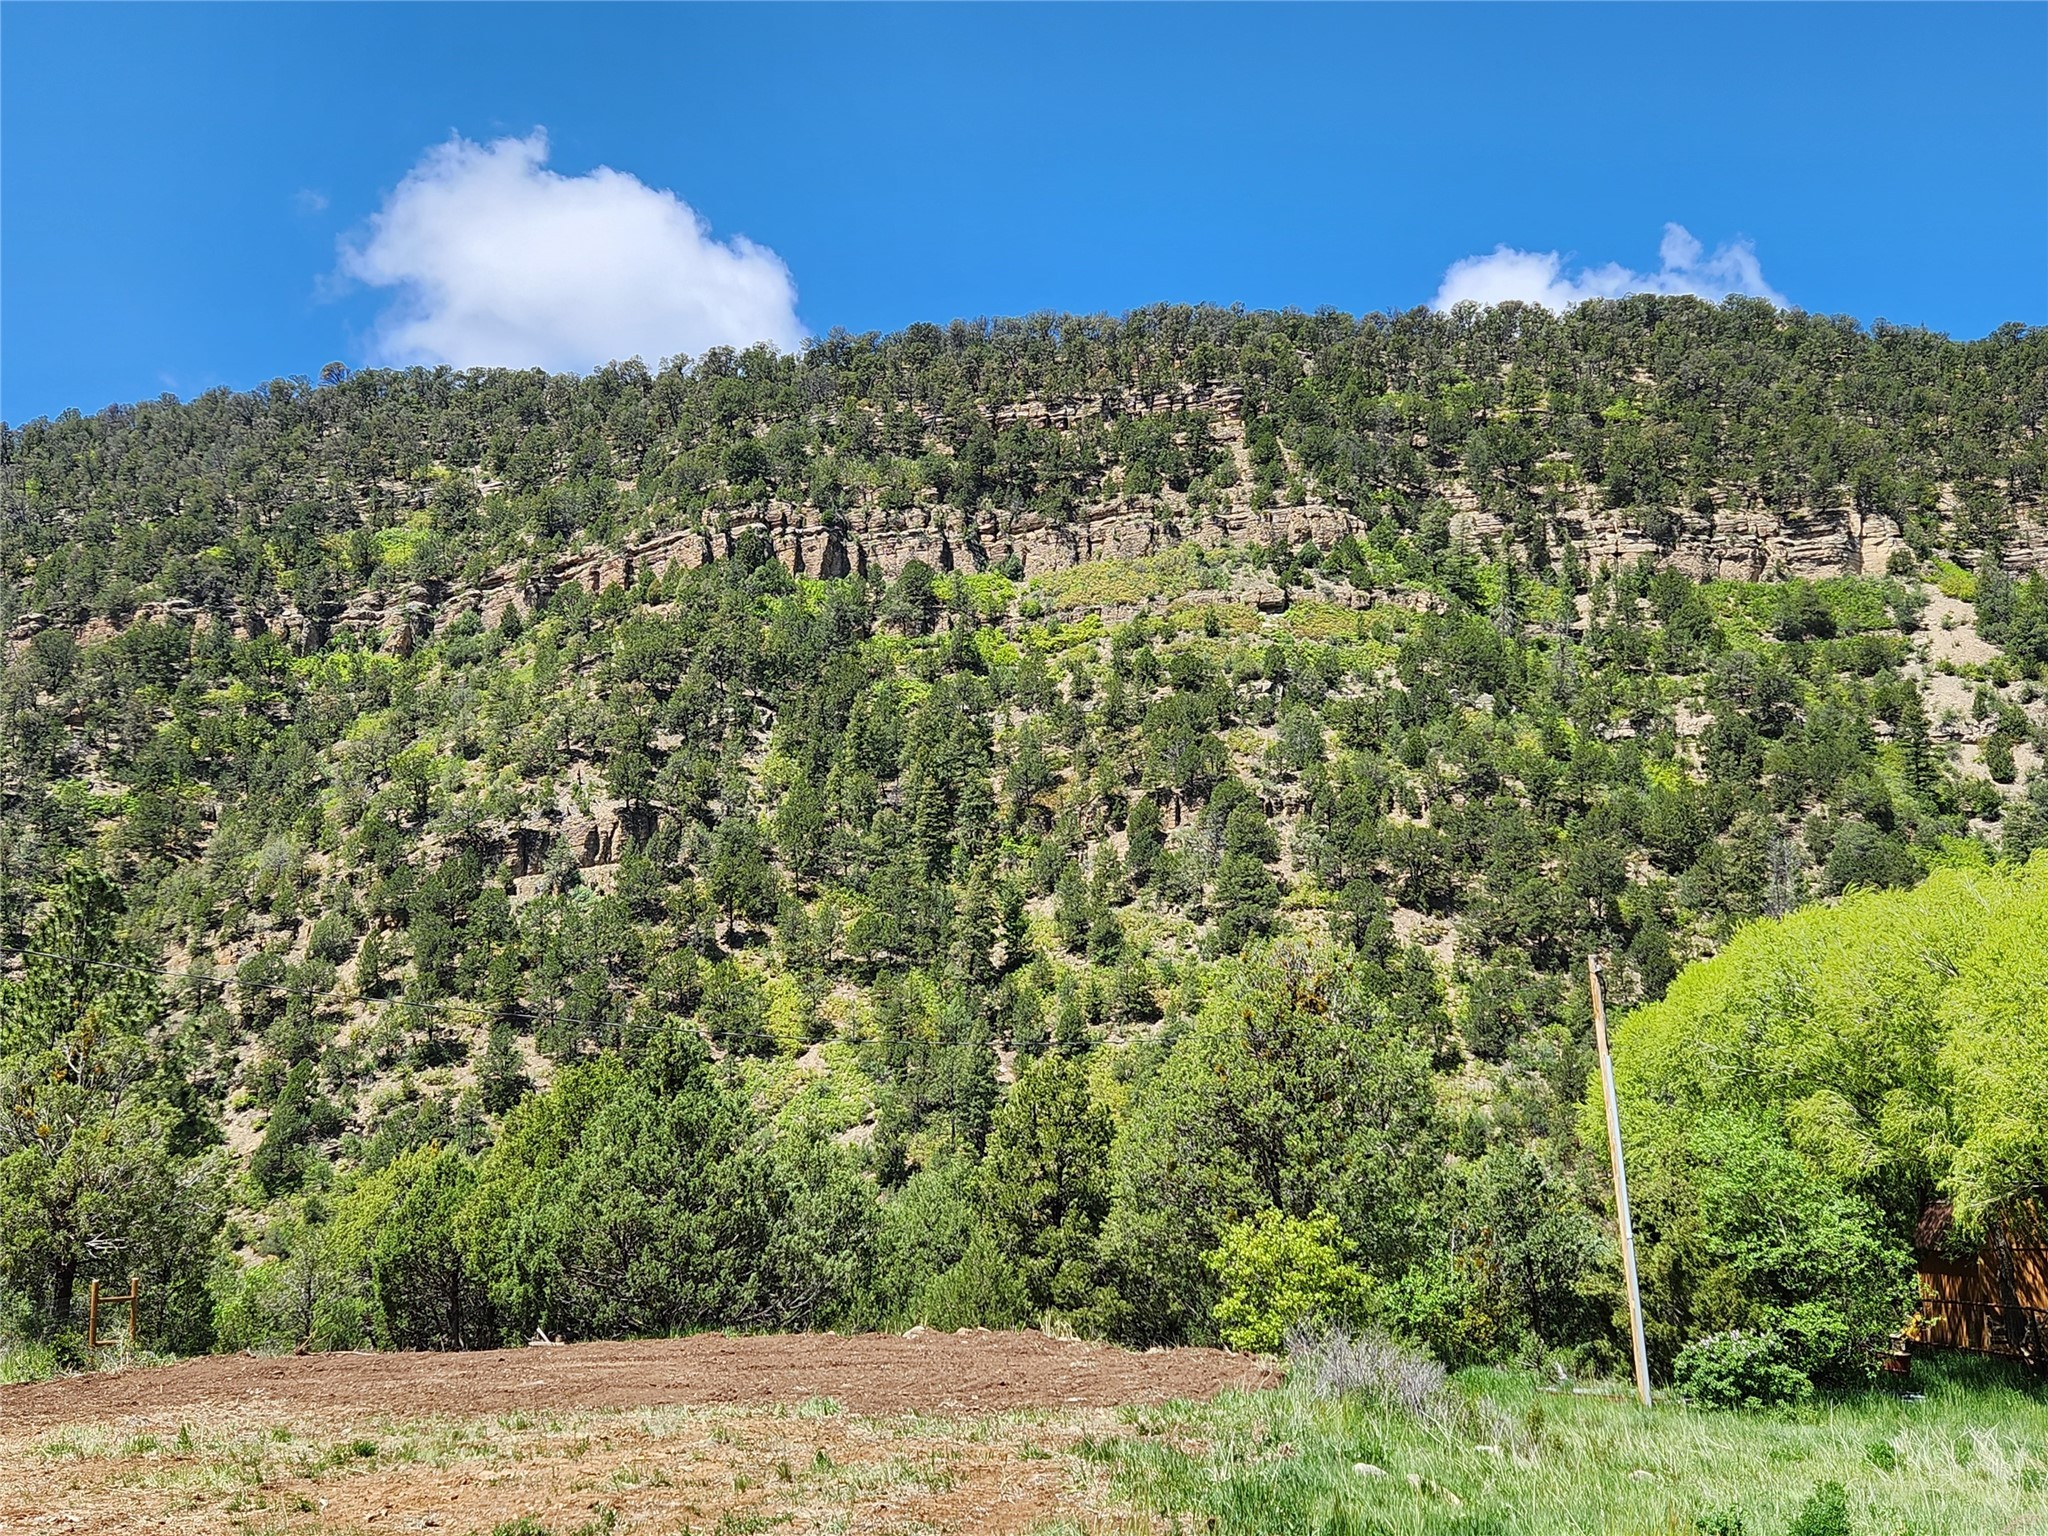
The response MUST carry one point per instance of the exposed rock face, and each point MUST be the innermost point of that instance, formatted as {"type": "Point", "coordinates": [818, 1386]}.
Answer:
{"type": "Point", "coordinates": [2028, 550]}
{"type": "Point", "coordinates": [1728, 540]}
{"type": "Point", "coordinates": [1731, 545]}
{"type": "Point", "coordinates": [946, 540]}
{"type": "Point", "coordinates": [595, 839]}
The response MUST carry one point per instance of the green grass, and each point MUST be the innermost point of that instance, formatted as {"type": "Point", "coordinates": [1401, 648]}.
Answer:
{"type": "Point", "coordinates": [1113, 582]}
{"type": "Point", "coordinates": [1315, 618]}
{"type": "Point", "coordinates": [23, 1360]}
{"type": "Point", "coordinates": [26, 1360]}
{"type": "Point", "coordinates": [1968, 1459]}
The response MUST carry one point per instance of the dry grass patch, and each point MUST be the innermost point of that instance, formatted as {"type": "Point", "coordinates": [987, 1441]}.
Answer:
{"type": "Point", "coordinates": [810, 1467]}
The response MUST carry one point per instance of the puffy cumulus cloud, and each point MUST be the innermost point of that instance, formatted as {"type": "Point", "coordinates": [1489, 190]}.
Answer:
{"type": "Point", "coordinates": [1539, 277]}
{"type": "Point", "coordinates": [498, 261]}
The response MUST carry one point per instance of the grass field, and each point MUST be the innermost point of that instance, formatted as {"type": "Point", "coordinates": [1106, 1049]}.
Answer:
{"type": "Point", "coordinates": [1963, 1453]}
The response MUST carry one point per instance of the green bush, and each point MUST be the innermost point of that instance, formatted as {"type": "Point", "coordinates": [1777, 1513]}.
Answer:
{"type": "Point", "coordinates": [1737, 1369]}
{"type": "Point", "coordinates": [982, 1290]}
{"type": "Point", "coordinates": [1278, 1271]}
{"type": "Point", "coordinates": [1824, 1514]}
{"type": "Point", "coordinates": [333, 938]}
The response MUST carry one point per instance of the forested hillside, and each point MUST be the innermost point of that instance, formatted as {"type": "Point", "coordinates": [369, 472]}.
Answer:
{"type": "Point", "coordinates": [1032, 818]}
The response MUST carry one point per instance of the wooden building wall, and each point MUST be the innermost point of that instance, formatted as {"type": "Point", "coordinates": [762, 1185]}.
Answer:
{"type": "Point", "coordinates": [1993, 1301]}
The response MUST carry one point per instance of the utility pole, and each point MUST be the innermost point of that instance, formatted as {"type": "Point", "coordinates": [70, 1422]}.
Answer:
{"type": "Point", "coordinates": [1628, 1237]}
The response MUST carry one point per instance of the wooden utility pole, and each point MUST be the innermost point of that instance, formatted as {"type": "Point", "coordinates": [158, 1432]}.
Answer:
{"type": "Point", "coordinates": [1628, 1236]}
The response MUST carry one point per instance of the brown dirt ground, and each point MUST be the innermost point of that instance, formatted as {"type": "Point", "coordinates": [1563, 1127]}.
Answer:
{"type": "Point", "coordinates": [932, 1433]}
{"type": "Point", "coordinates": [974, 1372]}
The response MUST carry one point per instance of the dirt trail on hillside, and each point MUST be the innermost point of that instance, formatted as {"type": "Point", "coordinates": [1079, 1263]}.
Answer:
{"type": "Point", "coordinates": [931, 1373]}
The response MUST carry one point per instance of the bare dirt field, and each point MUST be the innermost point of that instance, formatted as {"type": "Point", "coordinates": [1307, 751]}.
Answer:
{"type": "Point", "coordinates": [936, 1432]}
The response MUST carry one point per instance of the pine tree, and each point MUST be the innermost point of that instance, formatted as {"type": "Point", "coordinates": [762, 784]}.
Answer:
{"type": "Point", "coordinates": [1071, 909]}
{"type": "Point", "coordinates": [800, 827]}
{"type": "Point", "coordinates": [501, 1077]}
{"type": "Point", "coordinates": [90, 1183]}
{"type": "Point", "coordinates": [1914, 745]}
{"type": "Point", "coordinates": [1998, 760]}
{"type": "Point", "coordinates": [1016, 925]}
{"type": "Point", "coordinates": [1144, 838]}
{"type": "Point", "coordinates": [1045, 1182]}
{"type": "Point", "coordinates": [278, 1164]}
{"type": "Point", "coordinates": [370, 978]}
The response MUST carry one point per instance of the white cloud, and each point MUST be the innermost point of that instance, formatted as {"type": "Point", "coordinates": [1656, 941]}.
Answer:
{"type": "Point", "coordinates": [498, 261]}
{"type": "Point", "coordinates": [309, 201]}
{"type": "Point", "coordinates": [1539, 277]}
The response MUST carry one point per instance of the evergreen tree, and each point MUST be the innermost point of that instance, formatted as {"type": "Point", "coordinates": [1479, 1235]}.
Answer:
{"type": "Point", "coordinates": [278, 1164]}
{"type": "Point", "coordinates": [502, 1078]}
{"type": "Point", "coordinates": [92, 1183]}
{"type": "Point", "coordinates": [1045, 1183]}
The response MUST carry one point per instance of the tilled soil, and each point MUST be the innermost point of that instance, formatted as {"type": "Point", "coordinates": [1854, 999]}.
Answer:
{"type": "Point", "coordinates": [924, 1373]}
{"type": "Point", "coordinates": [647, 1472]}
{"type": "Point", "coordinates": [940, 1434]}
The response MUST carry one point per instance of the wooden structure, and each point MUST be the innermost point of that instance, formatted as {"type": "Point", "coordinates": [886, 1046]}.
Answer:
{"type": "Point", "coordinates": [1990, 1301]}
{"type": "Point", "coordinates": [92, 1310]}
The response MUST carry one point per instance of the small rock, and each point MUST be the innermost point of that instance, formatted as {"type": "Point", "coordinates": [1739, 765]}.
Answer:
{"type": "Point", "coordinates": [916, 1331]}
{"type": "Point", "coordinates": [1267, 598]}
{"type": "Point", "coordinates": [1367, 1469]}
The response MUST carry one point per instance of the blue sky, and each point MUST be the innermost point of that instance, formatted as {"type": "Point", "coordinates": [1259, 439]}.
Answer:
{"type": "Point", "coordinates": [201, 195]}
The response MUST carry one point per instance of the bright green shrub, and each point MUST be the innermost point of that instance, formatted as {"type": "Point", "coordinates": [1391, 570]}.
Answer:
{"type": "Point", "coordinates": [1826, 1513]}
{"type": "Point", "coordinates": [1791, 1103]}
{"type": "Point", "coordinates": [1278, 1271]}
{"type": "Point", "coordinates": [1996, 1013]}
{"type": "Point", "coordinates": [1739, 1370]}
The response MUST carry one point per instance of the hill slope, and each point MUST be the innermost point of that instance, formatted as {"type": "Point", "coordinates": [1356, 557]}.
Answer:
{"type": "Point", "coordinates": [1045, 670]}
